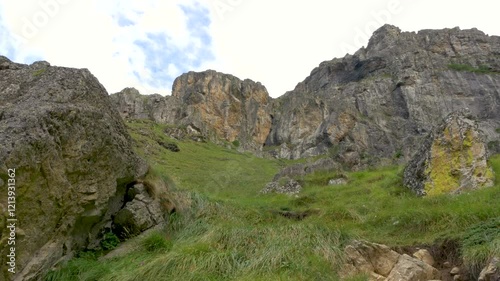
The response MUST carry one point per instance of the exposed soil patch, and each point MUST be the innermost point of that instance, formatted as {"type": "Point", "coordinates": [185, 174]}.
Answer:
{"type": "Point", "coordinates": [294, 215]}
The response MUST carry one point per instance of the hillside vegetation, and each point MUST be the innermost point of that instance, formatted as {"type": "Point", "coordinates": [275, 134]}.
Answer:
{"type": "Point", "coordinates": [224, 229]}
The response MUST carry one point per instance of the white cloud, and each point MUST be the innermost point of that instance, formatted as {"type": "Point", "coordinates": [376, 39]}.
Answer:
{"type": "Point", "coordinates": [146, 43]}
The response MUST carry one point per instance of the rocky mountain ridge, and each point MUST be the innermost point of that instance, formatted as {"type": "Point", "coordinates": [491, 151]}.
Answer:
{"type": "Point", "coordinates": [379, 102]}
{"type": "Point", "coordinates": [375, 105]}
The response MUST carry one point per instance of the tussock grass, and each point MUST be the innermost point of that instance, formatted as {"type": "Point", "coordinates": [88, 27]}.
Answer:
{"type": "Point", "coordinates": [226, 230]}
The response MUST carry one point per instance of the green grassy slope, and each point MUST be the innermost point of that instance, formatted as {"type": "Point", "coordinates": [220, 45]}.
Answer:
{"type": "Point", "coordinates": [226, 230]}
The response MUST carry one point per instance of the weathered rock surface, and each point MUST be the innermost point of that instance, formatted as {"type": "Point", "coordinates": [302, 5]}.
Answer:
{"type": "Point", "coordinates": [379, 262]}
{"type": "Point", "coordinates": [424, 256]}
{"type": "Point", "coordinates": [284, 185]}
{"type": "Point", "coordinates": [372, 107]}
{"type": "Point", "coordinates": [452, 159]}
{"type": "Point", "coordinates": [140, 213]}
{"type": "Point", "coordinates": [492, 271]}
{"type": "Point", "coordinates": [73, 159]}
{"type": "Point", "coordinates": [411, 269]}
{"type": "Point", "coordinates": [218, 106]}
{"type": "Point", "coordinates": [380, 102]}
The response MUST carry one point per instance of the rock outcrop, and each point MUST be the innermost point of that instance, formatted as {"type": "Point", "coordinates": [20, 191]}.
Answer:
{"type": "Point", "coordinates": [218, 106]}
{"type": "Point", "coordinates": [381, 263]}
{"type": "Point", "coordinates": [141, 212]}
{"type": "Point", "coordinates": [284, 185]}
{"type": "Point", "coordinates": [379, 102]}
{"type": "Point", "coordinates": [452, 159]}
{"type": "Point", "coordinates": [72, 158]}
{"type": "Point", "coordinates": [372, 107]}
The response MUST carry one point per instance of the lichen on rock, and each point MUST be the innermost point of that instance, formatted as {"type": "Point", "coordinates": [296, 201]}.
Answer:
{"type": "Point", "coordinates": [73, 158]}
{"type": "Point", "coordinates": [452, 159]}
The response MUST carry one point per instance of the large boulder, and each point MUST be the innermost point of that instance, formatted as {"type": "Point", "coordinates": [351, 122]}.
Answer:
{"type": "Point", "coordinates": [72, 158]}
{"type": "Point", "coordinates": [452, 159]}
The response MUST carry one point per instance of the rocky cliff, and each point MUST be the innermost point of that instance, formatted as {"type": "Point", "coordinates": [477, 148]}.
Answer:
{"type": "Point", "coordinates": [381, 101]}
{"type": "Point", "coordinates": [374, 105]}
{"type": "Point", "coordinates": [218, 106]}
{"type": "Point", "coordinates": [72, 158]}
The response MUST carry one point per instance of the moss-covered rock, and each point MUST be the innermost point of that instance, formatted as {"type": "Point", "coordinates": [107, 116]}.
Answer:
{"type": "Point", "coordinates": [453, 159]}
{"type": "Point", "coordinates": [73, 160]}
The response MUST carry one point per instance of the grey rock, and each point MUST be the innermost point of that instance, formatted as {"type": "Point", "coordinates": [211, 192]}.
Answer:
{"type": "Point", "coordinates": [284, 185]}
{"type": "Point", "coordinates": [220, 107]}
{"type": "Point", "coordinates": [141, 213]}
{"type": "Point", "coordinates": [73, 158]}
{"type": "Point", "coordinates": [339, 181]}
{"type": "Point", "coordinates": [452, 159]}
{"type": "Point", "coordinates": [383, 100]}
{"type": "Point", "coordinates": [411, 269]}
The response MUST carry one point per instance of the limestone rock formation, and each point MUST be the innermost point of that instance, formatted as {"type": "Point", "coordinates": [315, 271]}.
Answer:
{"type": "Point", "coordinates": [218, 106]}
{"type": "Point", "coordinates": [73, 159]}
{"type": "Point", "coordinates": [381, 263]}
{"type": "Point", "coordinates": [379, 102]}
{"type": "Point", "coordinates": [372, 107]}
{"type": "Point", "coordinates": [452, 159]}
{"type": "Point", "coordinates": [131, 104]}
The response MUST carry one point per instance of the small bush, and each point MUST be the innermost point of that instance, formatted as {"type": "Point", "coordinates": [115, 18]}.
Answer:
{"type": "Point", "coordinates": [236, 143]}
{"type": "Point", "coordinates": [464, 67]}
{"type": "Point", "coordinates": [398, 154]}
{"type": "Point", "coordinates": [156, 241]}
{"type": "Point", "coordinates": [109, 241]}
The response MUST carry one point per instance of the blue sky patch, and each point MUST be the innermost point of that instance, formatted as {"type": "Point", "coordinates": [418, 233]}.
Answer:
{"type": "Point", "coordinates": [123, 21]}
{"type": "Point", "coordinates": [160, 49]}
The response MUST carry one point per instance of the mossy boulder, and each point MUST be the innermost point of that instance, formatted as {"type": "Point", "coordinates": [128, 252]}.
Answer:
{"type": "Point", "coordinates": [452, 159]}
{"type": "Point", "coordinates": [73, 159]}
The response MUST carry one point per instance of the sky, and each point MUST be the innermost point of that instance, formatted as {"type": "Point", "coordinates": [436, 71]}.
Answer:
{"type": "Point", "coordinates": [146, 44]}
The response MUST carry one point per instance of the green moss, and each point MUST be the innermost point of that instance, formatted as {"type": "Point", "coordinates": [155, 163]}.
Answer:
{"type": "Point", "coordinates": [482, 69]}
{"type": "Point", "coordinates": [39, 72]}
{"type": "Point", "coordinates": [440, 171]}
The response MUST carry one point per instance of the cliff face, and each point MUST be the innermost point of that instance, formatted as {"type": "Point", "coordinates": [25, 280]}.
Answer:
{"type": "Point", "coordinates": [73, 159]}
{"type": "Point", "coordinates": [216, 105]}
{"type": "Point", "coordinates": [375, 105]}
{"type": "Point", "coordinates": [379, 102]}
